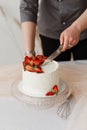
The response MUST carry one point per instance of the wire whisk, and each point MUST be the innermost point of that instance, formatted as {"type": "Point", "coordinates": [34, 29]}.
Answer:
{"type": "Point", "coordinates": [64, 109]}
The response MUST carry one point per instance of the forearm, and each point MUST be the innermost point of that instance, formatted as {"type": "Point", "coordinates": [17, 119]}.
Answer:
{"type": "Point", "coordinates": [28, 15]}
{"type": "Point", "coordinates": [81, 22]}
{"type": "Point", "coordinates": [29, 31]}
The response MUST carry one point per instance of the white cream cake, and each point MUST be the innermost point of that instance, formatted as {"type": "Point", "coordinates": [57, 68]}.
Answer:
{"type": "Point", "coordinates": [38, 84]}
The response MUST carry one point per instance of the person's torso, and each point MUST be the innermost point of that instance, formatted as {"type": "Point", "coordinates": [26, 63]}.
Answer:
{"type": "Point", "coordinates": [57, 15]}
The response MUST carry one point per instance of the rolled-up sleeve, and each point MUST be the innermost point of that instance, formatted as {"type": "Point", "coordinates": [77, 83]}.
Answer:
{"type": "Point", "coordinates": [28, 10]}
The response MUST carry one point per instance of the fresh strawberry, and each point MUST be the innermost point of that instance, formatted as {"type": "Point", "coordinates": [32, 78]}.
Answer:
{"type": "Point", "coordinates": [34, 58]}
{"type": "Point", "coordinates": [38, 70]}
{"type": "Point", "coordinates": [50, 93]}
{"type": "Point", "coordinates": [37, 62]}
{"type": "Point", "coordinates": [44, 58]}
{"type": "Point", "coordinates": [55, 89]}
{"type": "Point", "coordinates": [29, 68]}
{"type": "Point", "coordinates": [27, 59]}
{"type": "Point", "coordinates": [41, 58]}
{"type": "Point", "coordinates": [31, 63]}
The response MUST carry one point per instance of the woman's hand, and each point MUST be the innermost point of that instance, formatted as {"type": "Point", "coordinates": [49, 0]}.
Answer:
{"type": "Point", "coordinates": [70, 37]}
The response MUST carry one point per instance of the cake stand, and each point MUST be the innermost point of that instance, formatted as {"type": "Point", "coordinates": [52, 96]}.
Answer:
{"type": "Point", "coordinates": [41, 102]}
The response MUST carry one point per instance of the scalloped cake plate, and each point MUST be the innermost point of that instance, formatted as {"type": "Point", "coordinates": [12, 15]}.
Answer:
{"type": "Point", "coordinates": [40, 102]}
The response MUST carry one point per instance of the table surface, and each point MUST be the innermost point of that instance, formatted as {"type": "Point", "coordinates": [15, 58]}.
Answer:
{"type": "Point", "coordinates": [15, 115]}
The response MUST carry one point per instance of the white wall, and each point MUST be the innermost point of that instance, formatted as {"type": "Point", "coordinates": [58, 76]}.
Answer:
{"type": "Point", "coordinates": [11, 46]}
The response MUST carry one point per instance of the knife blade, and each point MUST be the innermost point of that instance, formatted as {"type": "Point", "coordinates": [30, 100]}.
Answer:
{"type": "Point", "coordinates": [53, 55]}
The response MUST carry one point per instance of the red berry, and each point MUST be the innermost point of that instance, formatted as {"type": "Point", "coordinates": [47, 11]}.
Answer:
{"type": "Point", "coordinates": [55, 89]}
{"type": "Point", "coordinates": [29, 68]}
{"type": "Point", "coordinates": [50, 93]}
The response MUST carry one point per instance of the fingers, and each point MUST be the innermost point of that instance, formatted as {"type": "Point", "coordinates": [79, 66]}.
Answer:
{"type": "Point", "coordinates": [72, 43]}
{"type": "Point", "coordinates": [61, 39]}
{"type": "Point", "coordinates": [64, 41]}
{"type": "Point", "coordinates": [67, 41]}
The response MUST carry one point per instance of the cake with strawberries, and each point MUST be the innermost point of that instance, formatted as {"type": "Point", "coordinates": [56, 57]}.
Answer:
{"type": "Point", "coordinates": [37, 80]}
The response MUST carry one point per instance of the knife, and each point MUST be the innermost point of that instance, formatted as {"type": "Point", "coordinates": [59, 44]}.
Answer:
{"type": "Point", "coordinates": [53, 55]}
